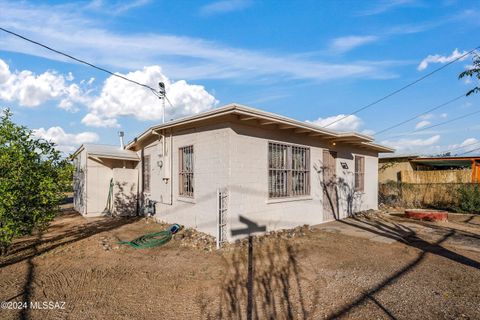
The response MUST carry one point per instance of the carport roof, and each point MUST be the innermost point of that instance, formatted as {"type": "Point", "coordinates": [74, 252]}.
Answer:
{"type": "Point", "coordinates": [107, 151]}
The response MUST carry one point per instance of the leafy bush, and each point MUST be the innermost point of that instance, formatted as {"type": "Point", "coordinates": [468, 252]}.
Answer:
{"type": "Point", "coordinates": [469, 198]}
{"type": "Point", "coordinates": [33, 176]}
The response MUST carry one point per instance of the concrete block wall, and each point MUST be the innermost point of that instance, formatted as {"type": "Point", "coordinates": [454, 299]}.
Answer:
{"type": "Point", "coordinates": [211, 171]}
{"type": "Point", "coordinates": [249, 180]}
{"type": "Point", "coordinates": [235, 156]}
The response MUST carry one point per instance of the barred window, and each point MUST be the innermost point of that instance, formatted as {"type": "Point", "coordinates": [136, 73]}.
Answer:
{"type": "Point", "coordinates": [288, 170]}
{"type": "Point", "coordinates": [359, 173]}
{"type": "Point", "coordinates": [186, 171]}
{"type": "Point", "coordinates": [146, 173]}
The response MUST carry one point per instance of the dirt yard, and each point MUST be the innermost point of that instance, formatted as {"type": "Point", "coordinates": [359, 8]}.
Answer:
{"type": "Point", "coordinates": [371, 267]}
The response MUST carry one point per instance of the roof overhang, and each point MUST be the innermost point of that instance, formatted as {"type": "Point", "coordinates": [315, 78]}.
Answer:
{"type": "Point", "coordinates": [115, 157]}
{"type": "Point", "coordinates": [447, 161]}
{"type": "Point", "coordinates": [263, 118]}
{"type": "Point", "coordinates": [106, 152]}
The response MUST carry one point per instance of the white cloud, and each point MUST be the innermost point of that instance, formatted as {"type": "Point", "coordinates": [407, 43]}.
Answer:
{"type": "Point", "coordinates": [422, 124]}
{"type": "Point", "coordinates": [368, 132]}
{"type": "Point", "coordinates": [385, 5]}
{"type": "Point", "coordinates": [412, 145]}
{"type": "Point", "coordinates": [4, 72]}
{"type": "Point", "coordinates": [224, 6]}
{"type": "Point", "coordinates": [436, 58]}
{"type": "Point", "coordinates": [115, 8]}
{"type": "Point", "coordinates": [120, 98]}
{"type": "Point", "coordinates": [444, 115]}
{"type": "Point", "coordinates": [76, 30]}
{"type": "Point", "coordinates": [426, 116]}
{"type": "Point", "coordinates": [344, 44]}
{"type": "Point", "coordinates": [348, 124]}
{"type": "Point", "coordinates": [66, 142]}
{"type": "Point", "coordinates": [469, 145]}
{"type": "Point", "coordinates": [31, 90]}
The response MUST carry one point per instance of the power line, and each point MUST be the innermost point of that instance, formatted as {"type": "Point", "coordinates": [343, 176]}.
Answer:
{"type": "Point", "coordinates": [461, 147]}
{"type": "Point", "coordinates": [402, 88]}
{"type": "Point", "coordinates": [87, 63]}
{"type": "Point", "coordinates": [438, 124]}
{"type": "Point", "coordinates": [461, 154]}
{"type": "Point", "coordinates": [421, 114]}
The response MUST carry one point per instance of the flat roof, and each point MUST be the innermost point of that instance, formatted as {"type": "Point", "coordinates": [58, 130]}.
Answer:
{"type": "Point", "coordinates": [398, 156]}
{"type": "Point", "coordinates": [107, 151]}
{"type": "Point", "coordinates": [265, 118]}
{"type": "Point", "coordinates": [446, 161]}
{"type": "Point", "coordinates": [446, 158]}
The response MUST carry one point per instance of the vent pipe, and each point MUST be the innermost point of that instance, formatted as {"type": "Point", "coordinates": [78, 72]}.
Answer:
{"type": "Point", "coordinates": [121, 134]}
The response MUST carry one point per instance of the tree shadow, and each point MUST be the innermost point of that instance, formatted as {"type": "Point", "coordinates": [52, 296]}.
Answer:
{"type": "Point", "coordinates": [35, 246]}
{"type": "Point", "coordinates": [370, 294]}
{"type": "Point", "coordinates": [125, 200]}
{"type": "Point", "coordinates": [28, 284]}
{"type": "Point", "coordinates": [408, 236]}
{"type": "Point", "coordinates": [337, 191]}
{"type": "Point", "coordinates": [277, 281]}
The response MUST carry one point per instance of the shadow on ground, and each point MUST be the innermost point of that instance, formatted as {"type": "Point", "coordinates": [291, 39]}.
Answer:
{"type": "Point", "coordinates": [278, 285]}
{"type": "Point", "coordinates": [30, 247]}
{"type": "Point", "coordinates": [401, 232]}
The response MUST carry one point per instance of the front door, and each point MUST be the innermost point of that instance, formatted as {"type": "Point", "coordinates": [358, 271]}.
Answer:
{"type": "Point", "coordinates": [330, 193]}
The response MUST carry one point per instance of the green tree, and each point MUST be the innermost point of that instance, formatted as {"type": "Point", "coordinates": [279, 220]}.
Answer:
{"type": "Point", "coordinates": [33, 176]}
{"type": "Point", "coordinates": [473, 72]}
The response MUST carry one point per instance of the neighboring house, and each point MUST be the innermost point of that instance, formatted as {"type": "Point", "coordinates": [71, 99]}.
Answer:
{"type": "Point", "coordinates": [416, 169]}
{"type": "Point", "coordinates": [237, 169]}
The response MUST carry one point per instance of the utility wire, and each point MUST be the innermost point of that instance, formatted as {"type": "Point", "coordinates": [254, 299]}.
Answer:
{"type": "Point", "coordinates": [461, 147]}
{"type": "Point", "coordinates": [87, 63]}
{"type": "Point", "coordinates": [438, 124]}
{"type": "Point", "coordinates": [402, 88]}
{"type": "Point", "coordinates": [419, 115]}
{"type": "Point", "coordinates": [461, 154]}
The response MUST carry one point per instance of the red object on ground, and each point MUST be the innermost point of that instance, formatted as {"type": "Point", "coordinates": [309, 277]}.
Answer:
{"type": "Point", "coordinates": [430, 215]}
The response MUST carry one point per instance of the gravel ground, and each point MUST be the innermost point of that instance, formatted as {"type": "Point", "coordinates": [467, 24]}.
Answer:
{"type": "Point", "coordinates": [303, 274]}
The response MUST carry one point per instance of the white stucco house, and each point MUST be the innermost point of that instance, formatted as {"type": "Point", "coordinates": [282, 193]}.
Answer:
{"type": "Point", "coordinates": [231, 170]}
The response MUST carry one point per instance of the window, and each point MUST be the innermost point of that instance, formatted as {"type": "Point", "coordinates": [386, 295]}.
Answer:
{"type": "Point", "coordinates": [186, 171]}
{"type": "Point", "coordinates": [359, 173]}
{"type": "Point", "coordinates": [146, 173]}
{"type": "Point", "coordinates": [288, 170]}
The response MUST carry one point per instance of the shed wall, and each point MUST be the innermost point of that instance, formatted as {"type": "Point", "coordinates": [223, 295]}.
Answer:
{"type": "Point", "coordinates": [98, 179]}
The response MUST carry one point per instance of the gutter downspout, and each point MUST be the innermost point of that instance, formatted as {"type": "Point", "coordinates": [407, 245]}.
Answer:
{"type": "Point", "coordinates": [85, 181]}
{"type": "Point", "coordinates": [165, 178]}
{"type": "Point", "coordinates": [171, 167]}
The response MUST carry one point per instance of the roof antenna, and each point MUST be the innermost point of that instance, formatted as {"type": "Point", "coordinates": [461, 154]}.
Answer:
{"type": "Point", "coordinates": [121, 134]}
{"type": "Point", "coordinates": [162, 95]}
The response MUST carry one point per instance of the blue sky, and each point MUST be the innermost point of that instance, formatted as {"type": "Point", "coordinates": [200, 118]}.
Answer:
{"type": "Point", "coordinates": [309, 60]}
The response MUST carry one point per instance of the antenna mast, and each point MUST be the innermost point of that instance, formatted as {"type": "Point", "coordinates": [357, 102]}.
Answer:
{"type": "Point", "coordinates": [162, 96]}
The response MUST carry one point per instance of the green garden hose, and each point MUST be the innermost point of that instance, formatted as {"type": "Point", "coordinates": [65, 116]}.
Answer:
{"type": "Point", "coordinates": [151, 240]}
{"type": "Point", "coordinates": [108, 207]}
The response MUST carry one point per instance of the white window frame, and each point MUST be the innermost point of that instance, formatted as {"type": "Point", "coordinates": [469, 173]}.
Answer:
{"type": "Point", "coordinates": [359, 168]}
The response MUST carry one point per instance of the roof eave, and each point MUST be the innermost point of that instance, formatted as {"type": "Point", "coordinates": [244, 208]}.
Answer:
{"type": "Point", "coordinates": [100, 155]}
{"type": "Point", "coordinates": [250, 113]}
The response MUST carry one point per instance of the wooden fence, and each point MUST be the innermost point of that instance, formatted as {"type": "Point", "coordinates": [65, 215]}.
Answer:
{"type": "Point", "coordinates": [437, 176]}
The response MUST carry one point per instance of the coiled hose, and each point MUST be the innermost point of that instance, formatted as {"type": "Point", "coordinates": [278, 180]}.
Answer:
{"type": "Point", "coordinates": [155, 239]}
